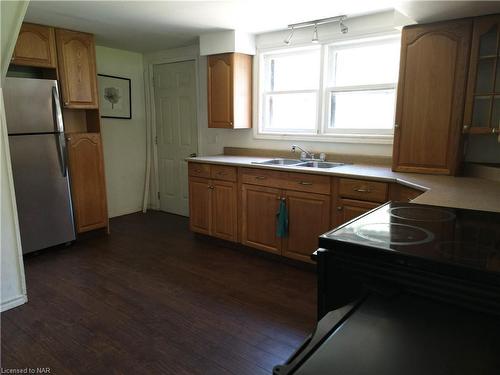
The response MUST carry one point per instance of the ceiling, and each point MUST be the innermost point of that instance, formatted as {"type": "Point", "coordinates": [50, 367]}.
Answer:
{"type": "Point", "coordinates": [147, 26]}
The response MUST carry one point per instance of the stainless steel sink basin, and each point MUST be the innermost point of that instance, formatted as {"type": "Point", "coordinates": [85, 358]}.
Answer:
{"type": "Point", "coordinates": [278, 162]}
{"type": "Point", "coordinates": [319, 164]}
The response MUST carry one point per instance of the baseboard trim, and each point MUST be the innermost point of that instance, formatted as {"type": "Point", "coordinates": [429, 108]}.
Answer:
{"type": "Point", "coordinates": [13, 302]}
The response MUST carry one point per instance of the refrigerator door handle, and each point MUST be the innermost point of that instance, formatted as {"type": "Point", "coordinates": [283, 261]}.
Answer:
{"type": "Point", "coordinates": [58, 119]}
{"type": "Point", "coordinates": [60, 139]}
{"type": "Point", "coordinates": [63, 160]}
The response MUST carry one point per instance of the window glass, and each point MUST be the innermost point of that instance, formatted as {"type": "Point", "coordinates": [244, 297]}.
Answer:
{"type": "Point", "coordinates": [377, 109]}
{"type": "Point", "coordinates": [293, 112]}
{"type": "Point", "coordinates": [287, 72]}
{"type": "Point", "coordinates": [364, 64]}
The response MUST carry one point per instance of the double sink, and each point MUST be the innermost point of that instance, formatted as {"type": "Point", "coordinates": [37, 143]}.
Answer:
{"type": "Point", "coordinates": [300, 163]}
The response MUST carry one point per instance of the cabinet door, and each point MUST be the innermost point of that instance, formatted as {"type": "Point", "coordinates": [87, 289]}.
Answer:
{"type": "Point", "coordinates": [224, 210]}
{"type": "Point", "coordinates": [308, 217]}
{"type": "Point", "coordinates": [348, 209]}
{"type": "Point", "coordinates": [76, 58]}
{"type": "Point", "coordinates": [482, 108]}
{"type": "Point", "coordinates": [258, 211]}
{"type": "Point", "coordinates": [35, 46]}
{"type": "Point", "coordinates": [432, 82]}
{"type": "Point", "coordinates": [220, 90]}
{"type": "Point", "coordinates": [88, 187]}
{"type": "Point", "coordinates": [200, 207]}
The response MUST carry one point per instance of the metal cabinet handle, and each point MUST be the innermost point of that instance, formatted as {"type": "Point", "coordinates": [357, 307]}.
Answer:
{"type": "Point", "coordinates": [66, 103]}
{"type": "Point", "coordinates": [363, 190]}
{"type": "Point", "coordinates": [281, 198]}
{"type": "Point", "coordinates": [340, 208]}
{"type": "Point", "coordinates": [466, 128]}
{"type": "Point", "coordinates": [305, 183]}
{"type": "Point", "coordinates": [211, 187]}
{"type": "Point", "coordinates": [260, 177]}
{"type": "Point", "coordinates": [68, 139]}
{"type": "Point", "coordinates": [396, 126]}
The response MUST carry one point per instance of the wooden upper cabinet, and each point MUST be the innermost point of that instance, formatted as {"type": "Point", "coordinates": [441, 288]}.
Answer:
{"type": "Point", "coordinates": [431, 96]}
{"type": "Point", "coordinates": [35, 46]}
{"type": "Point", "coordinates": [77, 69]}
{"type": "Point", "coordinates": [88, 187]}
{"type": "Point", "coordinates": [482, 108]}
{"type": "Point", "coordinates": [230, 91]}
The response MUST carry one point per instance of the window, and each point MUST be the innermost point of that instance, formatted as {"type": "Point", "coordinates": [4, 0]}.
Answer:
{"type": "Point", "coordinates": [289, 85]}
{"type": "Point", "coordinates": [361, 86]}
{"type": "Point", "coordinates": [352, 95]}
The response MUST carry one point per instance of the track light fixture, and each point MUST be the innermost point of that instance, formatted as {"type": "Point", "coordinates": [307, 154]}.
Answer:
{"type": "Point", "coordinates": [343, 28]}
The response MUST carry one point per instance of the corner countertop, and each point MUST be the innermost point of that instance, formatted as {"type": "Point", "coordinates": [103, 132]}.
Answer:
{"type": "Point", "coordinates": [447, 191]}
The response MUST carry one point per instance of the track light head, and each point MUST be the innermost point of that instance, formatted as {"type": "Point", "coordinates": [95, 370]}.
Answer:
{"type": "Point", "coordinates": [288, 39]}
{"type": "Point", "coordinates": [315, 34]}
{"type": "Point", "coordinates": [343, 28]}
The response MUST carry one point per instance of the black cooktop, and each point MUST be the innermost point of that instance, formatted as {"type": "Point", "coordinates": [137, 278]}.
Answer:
{"type": "Point", "coordinates": [461, 237]}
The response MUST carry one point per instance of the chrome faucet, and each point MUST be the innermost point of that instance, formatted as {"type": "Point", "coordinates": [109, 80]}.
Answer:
{"type": "Point", "coordinates": [306, 155]}
{"type": "Point", "coordinates": [303, 153]}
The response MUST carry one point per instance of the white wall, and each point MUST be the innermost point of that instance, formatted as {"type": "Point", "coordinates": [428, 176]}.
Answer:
{"type": "Point", "coordinates": [13, 287]}
{"type": "Point", "coordinates": [124, 141]}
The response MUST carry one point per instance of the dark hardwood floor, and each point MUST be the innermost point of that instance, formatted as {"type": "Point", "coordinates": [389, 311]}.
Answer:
{"type": "Point", "coordinates": [151, 298]}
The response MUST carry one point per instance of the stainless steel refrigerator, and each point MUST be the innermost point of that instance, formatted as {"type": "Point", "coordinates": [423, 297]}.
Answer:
{"type": "Point", "coordinates": [39, 162]}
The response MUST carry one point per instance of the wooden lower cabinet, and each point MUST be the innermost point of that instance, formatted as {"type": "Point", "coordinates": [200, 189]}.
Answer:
{"type": "Point", "coordinates": [88, 186]}
{"type": "Point", "coordinates": [348, 209]}
{"type": "Point", "coordinates": [308, 217]}
{"type": "Point", "coordinates": [213, 208]}
{"type": "Point", "coordinates": [200, 210]}
{"type": "Point", "coordinates": [224, 210]}
{"type": "Point", "coordinates": [259, 206]}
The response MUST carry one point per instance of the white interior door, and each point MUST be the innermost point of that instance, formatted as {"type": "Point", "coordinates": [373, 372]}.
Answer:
{"type": "Point", "coordinates": [176, 131]}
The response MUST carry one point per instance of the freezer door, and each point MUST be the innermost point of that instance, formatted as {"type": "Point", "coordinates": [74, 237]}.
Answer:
{"type": "Point", "coordinates": [30, 106]}
{"type": "Point", "coordinates": [42, 191]}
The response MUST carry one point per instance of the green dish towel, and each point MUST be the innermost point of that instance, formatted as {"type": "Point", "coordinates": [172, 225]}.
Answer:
{"type": "Point", "coordinates": [282, 218]}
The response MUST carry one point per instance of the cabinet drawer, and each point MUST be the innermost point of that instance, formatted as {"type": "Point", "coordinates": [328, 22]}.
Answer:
{"type": "Point", "coordinates": [363, 190]}
{"type": "Point", "coordinates": [308, 183]}
{"type": "Point", "coordinates": [223, 172]}
{"type": "Point", "coordinates": [263, 177]}
{"type": "Point", "coordinates": [199, 170]}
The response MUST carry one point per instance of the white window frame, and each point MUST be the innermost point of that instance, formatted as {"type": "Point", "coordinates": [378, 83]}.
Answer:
{"type": "Point", "coordinates": [266, 57]}
{"type": "Point", "coordinates": [330, 51]}
{"type": "Point", "coordinates": [322, 133]}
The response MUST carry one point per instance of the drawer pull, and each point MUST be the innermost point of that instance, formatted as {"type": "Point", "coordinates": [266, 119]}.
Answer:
{"type": "Point", "coordinates": [305, 183]}
{"type": "Point", "coordinates": [340, 208]}
{"type": "Point", "coordinates": [221, 173]}
{"type": "Point", "coordinates": [211, 187]}
{"type": "Point", "coordinates": [197, 170]}
{"type": "Point", "coordinates": [363, 190]}
{"type": "Point", "coordinates": [260, 177]}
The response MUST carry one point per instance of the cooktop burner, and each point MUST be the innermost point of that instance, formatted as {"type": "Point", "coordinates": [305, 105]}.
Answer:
{"type": "Point", "coordinates": [463, 237]}
{"type": "Point", "coordinates": [421, 213]}
{"type": "Point", "coordinates": [394, 233]}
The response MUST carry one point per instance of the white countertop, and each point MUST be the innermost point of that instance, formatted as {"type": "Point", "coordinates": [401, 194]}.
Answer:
{"type": "Point", "coordinates": [448, 191]}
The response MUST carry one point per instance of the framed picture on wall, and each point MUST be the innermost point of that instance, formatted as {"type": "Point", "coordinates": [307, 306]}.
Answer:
{"type": "Point", "coordinates": [114, 97]}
